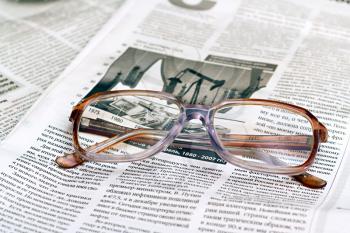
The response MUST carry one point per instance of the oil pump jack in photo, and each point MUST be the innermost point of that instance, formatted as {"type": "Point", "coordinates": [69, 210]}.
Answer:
{"type": "Point", "coordinates": [194, 82]}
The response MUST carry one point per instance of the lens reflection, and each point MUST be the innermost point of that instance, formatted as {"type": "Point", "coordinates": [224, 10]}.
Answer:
{"type": "Point", "coordinates": [264, 136]}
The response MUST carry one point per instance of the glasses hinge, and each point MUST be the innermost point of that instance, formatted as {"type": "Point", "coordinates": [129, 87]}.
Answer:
{"type": "Point", "coordinates": [73, 115]}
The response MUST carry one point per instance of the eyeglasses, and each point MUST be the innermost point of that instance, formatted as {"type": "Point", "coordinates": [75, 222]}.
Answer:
{"type": "Point", "coordinates": [260, 135]}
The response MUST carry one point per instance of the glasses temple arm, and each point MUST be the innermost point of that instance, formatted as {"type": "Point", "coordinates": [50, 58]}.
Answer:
{"type": "Point", "coordinates": [304, 178]}
{"type": "Point", "coordinates": [148, 135]}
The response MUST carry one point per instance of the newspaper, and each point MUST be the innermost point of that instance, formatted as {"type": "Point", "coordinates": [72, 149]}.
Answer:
{"type": "Point", "coordinates": [299, 49]}
{"type": "Point", "coordinates": [38, 41]}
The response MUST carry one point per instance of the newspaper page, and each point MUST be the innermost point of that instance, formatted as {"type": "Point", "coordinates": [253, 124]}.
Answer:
{"type": "Point", "coordinates": [38, 40]}
{"type": "Point", "coordinates": [293, 51]}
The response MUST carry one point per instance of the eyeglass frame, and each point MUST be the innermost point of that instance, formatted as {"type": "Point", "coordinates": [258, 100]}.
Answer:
{"type": "Point", "coordinates": [205, 114]}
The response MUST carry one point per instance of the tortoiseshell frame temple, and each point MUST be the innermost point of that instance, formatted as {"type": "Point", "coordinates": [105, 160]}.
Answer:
{"type": "Point", "coordinates": [189, 112]}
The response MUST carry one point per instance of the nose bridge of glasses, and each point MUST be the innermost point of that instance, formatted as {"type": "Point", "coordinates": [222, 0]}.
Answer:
{"type": "Point", "coordinates": [196, 112]}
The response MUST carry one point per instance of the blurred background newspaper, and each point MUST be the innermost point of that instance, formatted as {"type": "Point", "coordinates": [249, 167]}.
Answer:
{"type": "Point", "coordinates": [291, 50]}
{"type": "Point", "coordinates": [38, 40]}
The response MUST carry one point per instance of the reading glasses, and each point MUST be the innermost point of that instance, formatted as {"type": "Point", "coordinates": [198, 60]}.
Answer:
{"type": "Point", "coordinates": [256, 134]}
